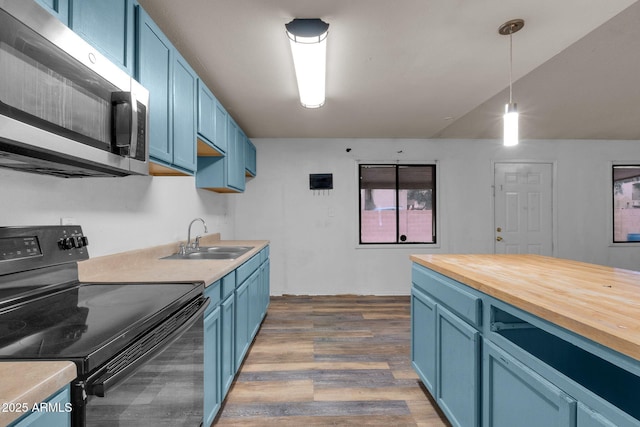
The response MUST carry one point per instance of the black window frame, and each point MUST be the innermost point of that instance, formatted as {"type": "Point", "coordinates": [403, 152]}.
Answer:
{"type": "Point", "coordinates": [398, 166]}
{"type": "Point", "coordinates": [614, 191]}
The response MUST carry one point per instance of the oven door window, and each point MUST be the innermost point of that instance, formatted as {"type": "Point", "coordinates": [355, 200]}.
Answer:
{"type": "Point", "coordinates": [166, 390]}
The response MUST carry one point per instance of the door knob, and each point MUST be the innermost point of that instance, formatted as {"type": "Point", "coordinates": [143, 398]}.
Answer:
{"type": "Point", "coordinates": [499, 239]}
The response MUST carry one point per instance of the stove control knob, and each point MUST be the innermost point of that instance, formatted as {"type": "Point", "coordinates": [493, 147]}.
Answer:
{"type": "Point", "coordinates": [80, 241]}
{"type": "Point", "coordinates": [66, 243]}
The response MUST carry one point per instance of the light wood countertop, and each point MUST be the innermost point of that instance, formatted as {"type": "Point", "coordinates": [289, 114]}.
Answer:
{"type": "Point", "coordinates": [28, 383]}
{"type": "Point", "coordinates": [146, 265]}
{"type": "Point", "coordinates": [600, 303]}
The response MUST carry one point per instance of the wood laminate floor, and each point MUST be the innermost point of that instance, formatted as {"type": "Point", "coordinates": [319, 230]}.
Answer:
{"type": "Point", "coordinates": [331, 360]}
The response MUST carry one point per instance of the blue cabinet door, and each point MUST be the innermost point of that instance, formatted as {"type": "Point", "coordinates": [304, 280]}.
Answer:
{"type": "Point", "coordinates": [235, 156]}
{"type": "Point", "coordinates": [108, 26]}
{"type": "Point", "coordinates": [264, 287]}
{"type": "Point", "coordinates": [185, 83]}
{"type": "Point", "coordinates": [58, 8]}
{"type": "Point", "coordinates": [212, 389]}
{"type": "Point", "coordinates": [211, 115]}
{"type": "Point", "coordinates": [255, 304]}
{"type": "Point", "coordinates": [242, 322]}
{"type": "Point", "coordinates": [227, 343]}
{"type": "Point", "coordinates": [250, 157]}
{"type": "Point", "coordinates": [48, 418]}
{"type": "Point", "coordinates": [154, 71]}
{"type": "Point", "coordinates": [423, 338]}
{"type": "Point", "coordinates": [458, 369]}
{"type": "Point", "coordinates": [587, 417]}
{"type": "Point", "coordinates": [514, 395]}
{"type": "Point", "coordinates": [221, 119]}
{"type": "Point", "coordinates": [206, 112]}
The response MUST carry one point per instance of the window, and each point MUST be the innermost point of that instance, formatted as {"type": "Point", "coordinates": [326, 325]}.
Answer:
{"type": "Point", "coordinates": [626, 203]}
{"type": "Point", "coordinates": [397, 203]}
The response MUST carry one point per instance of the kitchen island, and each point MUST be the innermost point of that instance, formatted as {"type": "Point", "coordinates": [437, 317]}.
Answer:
{"type": "Point", "coordinates": [527, 340]}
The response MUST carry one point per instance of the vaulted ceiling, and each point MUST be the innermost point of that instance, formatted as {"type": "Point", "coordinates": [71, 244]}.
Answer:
{"type": "Point", "coordinates": [420, 68]}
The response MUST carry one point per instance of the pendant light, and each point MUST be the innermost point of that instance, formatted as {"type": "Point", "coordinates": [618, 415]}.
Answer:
{"type": "Point", "coordinates": [511, 109]}
{"type": "Point", "coordinates": [308, 40]}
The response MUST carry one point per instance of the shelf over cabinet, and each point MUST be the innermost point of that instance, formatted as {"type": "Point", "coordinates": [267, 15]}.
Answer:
{"type": "Point", "coordinates": [224, 174]}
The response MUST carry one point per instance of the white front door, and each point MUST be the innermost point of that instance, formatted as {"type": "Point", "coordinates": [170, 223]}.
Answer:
{"type": "Point", "coordinates": [523, 208]}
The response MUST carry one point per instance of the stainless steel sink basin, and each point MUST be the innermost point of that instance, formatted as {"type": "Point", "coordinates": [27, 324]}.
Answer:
{"type": "Point", "coordinates": [226, 249]}
{"type": "Point", "coordinates": [213, 252]}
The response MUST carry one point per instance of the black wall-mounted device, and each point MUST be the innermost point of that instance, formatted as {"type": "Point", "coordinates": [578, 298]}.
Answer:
{"type": "Point", "coordinates": [321, 181]}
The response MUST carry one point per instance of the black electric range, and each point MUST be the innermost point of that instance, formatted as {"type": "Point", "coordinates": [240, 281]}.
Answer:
{"type": "Point", "coordinates": [107, 329]}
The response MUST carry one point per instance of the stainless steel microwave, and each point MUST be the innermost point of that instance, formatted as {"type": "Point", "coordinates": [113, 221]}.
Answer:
{"type": "Point", "coordinates": [65, 109]}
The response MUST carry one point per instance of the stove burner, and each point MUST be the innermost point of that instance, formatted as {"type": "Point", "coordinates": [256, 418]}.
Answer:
{"type": "Point", "coordinates": [112, 299]}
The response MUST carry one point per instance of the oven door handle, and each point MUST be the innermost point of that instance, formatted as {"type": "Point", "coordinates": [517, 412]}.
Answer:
{"type": "Point", "coordinates": [99, 383]}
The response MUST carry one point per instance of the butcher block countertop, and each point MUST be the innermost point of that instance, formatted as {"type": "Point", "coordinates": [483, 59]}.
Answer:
{"type": "Point", "coordinates": [23, 384]}
{"type": "Point", "coordinates": [600, 303]}
{"type": "Point", "coordinates": [146, 265]}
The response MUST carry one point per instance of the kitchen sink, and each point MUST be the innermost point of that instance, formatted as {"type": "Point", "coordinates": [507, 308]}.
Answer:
{"type": "Point", "coordinates": [213, 252]}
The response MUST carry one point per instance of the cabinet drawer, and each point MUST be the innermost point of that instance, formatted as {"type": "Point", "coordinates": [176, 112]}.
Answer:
{"type": "Point", "coordinates": [450, 293]}
{"type": "Point", "coordinates": [213, 293]}
{"type": "Point", "coordinates": [228, 284]}
{"type": "Point", "coordinates": [247, 268]}
{"type": "Point", "coordinates": [264, 254]}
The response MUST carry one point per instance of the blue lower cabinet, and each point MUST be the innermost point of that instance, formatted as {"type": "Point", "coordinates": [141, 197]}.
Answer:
{"type": "Point", "coordinates": [490, 364]}
{"type": "Point", "coordinates": [587, 417]}
{"type": "Point", "coordinates": [255, 304]}
{"type": "Point", "coordinates": [264, 287]}
{"type": "Point", "coordinates": [242, 322]}
{"type": "Point", "coordinates": [212, 387]}
{"type": "Point", "coordinates": [56, 412]}
{"type": "Point", "coordinates": [514, 395]}
{"type": "Point", "coordinates": [423, 338]}
{"type": "Point", "coordinates": [458, 369]}
{"type": "Point", "coordinates": [237, 307]}
{"type": "Point", "coordinates": [227, 339]}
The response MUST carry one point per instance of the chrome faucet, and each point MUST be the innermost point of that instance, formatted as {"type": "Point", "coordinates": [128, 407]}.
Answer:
{"type": "Point", "coordinates": [196, 244]}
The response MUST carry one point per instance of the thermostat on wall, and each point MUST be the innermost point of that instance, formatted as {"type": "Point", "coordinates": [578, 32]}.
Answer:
{"type": "Point", "coordinates": [321, 181]}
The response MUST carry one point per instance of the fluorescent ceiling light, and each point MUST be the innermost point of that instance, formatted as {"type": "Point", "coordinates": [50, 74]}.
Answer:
{"type": "Point", "coordinates": [308, 39]}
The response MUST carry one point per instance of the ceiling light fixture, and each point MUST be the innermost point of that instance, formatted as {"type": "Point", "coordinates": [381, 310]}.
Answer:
{"type": "Point", "coordinates": [308, 39]}
{"type": "Point", "coordinates": [510, 109]}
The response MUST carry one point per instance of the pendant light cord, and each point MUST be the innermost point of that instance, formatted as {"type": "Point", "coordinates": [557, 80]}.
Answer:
{"type": "Point", "coordinates": [511, 65]}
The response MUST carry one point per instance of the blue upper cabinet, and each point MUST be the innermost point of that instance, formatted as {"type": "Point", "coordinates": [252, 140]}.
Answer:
{"type": "Point", "coordinates": [154, 70]}
{"type": "Point", "coordinates": [185, 84]}
{"type": "Point", "coordinates": [212, 118]}
{"type": "Point", "coordinates": [58, 8]}
{"type": "Point", "coordinates": [224, 174]}
{"type": "Point", "coordinates": [249, 158]}
{"type": "Point", "coordinates": [237, 169]}
{"type": "Point", "coordinates": [108, 26]}
{"type": "Point", "coordinates": [172, 86]}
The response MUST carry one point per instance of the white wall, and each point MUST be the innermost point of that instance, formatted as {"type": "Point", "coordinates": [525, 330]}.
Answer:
{"type": "Point", "coordinates": [313, 236]}
{"type": "Point", "coordinates": [117, 214]}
